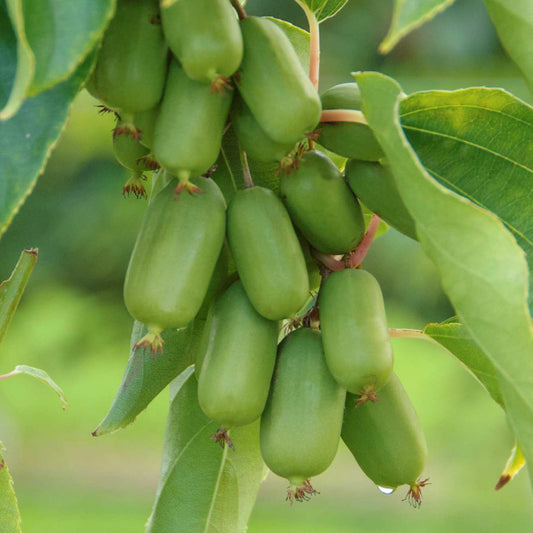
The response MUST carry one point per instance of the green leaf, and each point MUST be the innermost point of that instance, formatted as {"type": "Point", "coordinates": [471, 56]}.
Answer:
{"type": "Point", "coordinates": [39, 375]}
{"type": "Point", "coordinates": [27, 139]}
{"type": "Point", "coordinates": [513, 20]}
{"type": "Point", "coordinates": [482, 269]}
{"type": "Point", "coordinates": [323, 9]}
{"type": "Point", "coordinates": [493, 170]}
{"type": "Point", "coordinates": [9, 511]}
{"type": "Point", "coordinates": [299, 39]}
{"type": "Point", "coordinates": [146, 376]}
{"type": "Point", "coordinates": [455, 339]}
{"type": "Point", "coordinates": [12, 289]}
{"type": "Point", "coordinates": [204, 489]}
{"type": "Point", "coordinates": [61, 35]}
{"type": "Point", "coordinates": [409, 15]}
{"type": "Point", "coordinates": [18, 74]}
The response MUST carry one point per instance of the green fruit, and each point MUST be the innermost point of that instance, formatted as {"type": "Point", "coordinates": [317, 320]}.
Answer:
{"type": "Point", "coordinates": [322, 205]}
{"type": "Point", "coordinates": [145, 123]}
{"type": "Point", "coordinates": [129, 152]}
{"type": "Point", "coordinates": [188, 130]}
{"type": "Point", "coordinates": [301, 424]}
{"type": "Point", "coordinates": [349, 139]}
{"type": "Point", "coordinates": [374, 184]}
{"type": "Point", "coordinates": [267, 253]}
{"type": "Point", "coordinates": [274, 84]}
{"type": "Point", "coordinates": [354, 332]}
{"type": "Point", "coordinates": [131, 67]}
{"type": "Point", "coordinates": [387, 440]}
{"type": "Point", "coordinates": [174, 257]}
{"type": "Point", "coordinates": [239, 347]}
{"type": "Point", "coordinates": [252, 138]}
{"type": "Point", "coordinates": [205, 36]}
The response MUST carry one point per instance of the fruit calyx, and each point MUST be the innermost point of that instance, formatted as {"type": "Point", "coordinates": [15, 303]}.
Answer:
{"type": "Point", "coordinates": [152, 340]}
{"type": "Point", "coordinates": [414, 494]}
{"type": "Point", "coordinates": [367, 394]}
{"type": "Point", "coordinates": [300, 492]}
{"type": "Point", "coordinates": [222, 437]}
{"type": "Point", "coordinates": [134, 185]}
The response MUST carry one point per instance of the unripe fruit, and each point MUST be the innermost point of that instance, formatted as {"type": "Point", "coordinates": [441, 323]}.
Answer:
{"type": "Point", "coordinates": [239, 347]}
{"type": "Point", "coordinates": [205, 36]}
{"type": "Point", "coordinates": [129, 152]}
{"type": "Point", "coordinates": [349, 139]}
{"type": "Point", "coordinates": [387, 439]}
{"type": "Point", "coordinates": [274, 84]}
{"type": "Point", "coordinates": [174, 258]}
{"type": "Point", "coordinates": [252, 138]}
{"type": "Point", "coordinates": [145, 123]}
{"type": "Point", "coordinates": [131, 67]}
{"type": "Point", "coordinates": [322, 205]}
{"type": "Point", "coordinates": [355, 333]}
{"type": "Point", "coordinates": [375, 185]}
{"type": "Point", "coordinates": [301, 424]}
{"type": "Point", "coordinates": [267, 253]}
{"type": "Point", "coordinates": [189, 127]}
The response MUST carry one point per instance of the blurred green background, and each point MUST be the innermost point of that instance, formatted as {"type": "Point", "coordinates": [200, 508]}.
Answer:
{"type": "Point", "coordinates": [73, 324]}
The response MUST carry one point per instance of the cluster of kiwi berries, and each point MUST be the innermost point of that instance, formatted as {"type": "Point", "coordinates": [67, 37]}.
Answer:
{"type": "Point", "coordinates": [331, 376]}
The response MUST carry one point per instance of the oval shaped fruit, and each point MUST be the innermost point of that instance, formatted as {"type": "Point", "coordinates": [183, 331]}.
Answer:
{"type": "Point", "coordinates": [267, 253]}
{"type": "Point", "coordinates": [189, 128]}
{"type": "Point", "coordinates": [374, 184]}
{"type": "Point", "coordinates": [302, 420]}
{"type": "Point", "coordinates": [174, 257]}
{"type": "Point", "coordinates": [349, 139]}
{"type": "Point", "coordinates": [239, 347]}
{"type": "Point", "coordinates": [274, 84]}
{"type": "Point", "coordinates": [387, 439]}
{"type": "Point", "coordinates": [145, 123]}
{"type": "Point", "coordinates": [131, 67]}
{"type": "Point", "coordinates": [252, 138]}
{"type": "Point", "coordinates": [322, 205]}
{"type": "Point", "coordinates": [355, 332]}
{"type": "Point", "coordinates": [129, 152]}
{"type": "Point", "coordinates": [205, 36]}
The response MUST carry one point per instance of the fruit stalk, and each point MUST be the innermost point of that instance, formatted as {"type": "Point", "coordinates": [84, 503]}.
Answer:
{"type": "Point", "coordinates": [240, 10]}
{"type": "Point", "coordinates": [314, 43]}
{"type": "Point", "coordinates": [408, 334]}
{"type": "Point", "coordinates": [356, 258]}
{"type": "Point", "coordinates": [343, 115]}
{"type": "Point", "coordinates": [248, 181]}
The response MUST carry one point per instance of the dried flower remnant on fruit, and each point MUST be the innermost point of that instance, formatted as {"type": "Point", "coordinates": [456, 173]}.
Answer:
{"type": "Point", "coordinates": [301, 493]}
{"type": "Point", "coordinates": [414, 494]}
{"type": "Point", "coordinates": [221, 437]}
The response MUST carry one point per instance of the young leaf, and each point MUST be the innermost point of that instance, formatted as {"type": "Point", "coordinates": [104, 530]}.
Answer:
{"type": "Point", "coordinates": [409, 15]}
{"type": "Point", "coordinates": [455, 339]}
{"type": "Point", "coordinates": [146, 376]}
{"type": "Point", "coordinates": [203, 488]}
{"type": "Point", "coordinates": [61, 35]}
{"type": "Point", "coordinates": [513, 20]}
{"type": "Point", "coordinates": [323, 9]}
{"type": "Point", "coordinates": [20, 61]}
{"type": "Point", "coordinates": [12, 289]}
{"type": "Point", "coordinates": [483, 270]}
{"type": "Point", "coordinates": [41, 376]}
{"type": "Point", "coordinates": [458, 137]}
{"type": "Point", "coordinates": [9, 511]}
{"type": "Point", "coordinates": [27, 139]}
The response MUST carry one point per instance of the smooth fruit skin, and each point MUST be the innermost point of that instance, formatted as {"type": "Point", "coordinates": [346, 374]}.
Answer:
{"type": "Point", "coordinates": [205, 36]}
{"type": "Point", "coordinates": [131, 67]}
{"type": "Point", "coordinates": [239, 347]}
{"type": "Point", "coordinates": [145, 122]}
{"type": "Point", "coordinates": [174, 257]}
{"type": "Point", "coordinates": [302, 420]}
{"type": "Point", "coordinates": [348, 139]}
{"type": "Point", "coordinates": [128, 152]}
{"type": "Point", "coordinates": [374, 184]}
{"type": "Point", "coordinates": [354, 330]}
{"type": "Point", "coordinates": [386, 438]}
{"type": "Point", "coordinates": [253, 139]}
{"type": "Point", "coordinates": [189, 127]}
{"type": "Point", "coordinates": [267, 253]}
{"type": "Point", "coordinates": [322, 205]}
{"type": "Point", "coordinates": [274, 84]}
